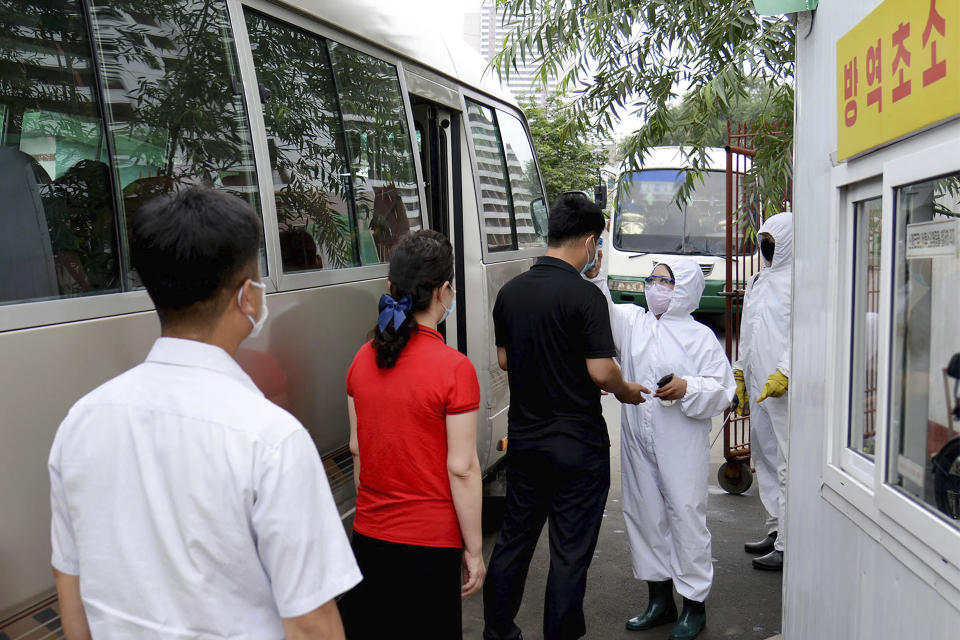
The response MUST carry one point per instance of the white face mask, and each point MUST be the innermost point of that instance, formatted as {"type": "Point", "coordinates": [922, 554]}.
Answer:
{"type": "Point", "coordinates": [658, 298]}
{"type": "Point", "coordinates": [448, 310]}
{"type": "Point", "coordinates": [264, 311]}
{"type": "Point", "coordinates": [596, 251]}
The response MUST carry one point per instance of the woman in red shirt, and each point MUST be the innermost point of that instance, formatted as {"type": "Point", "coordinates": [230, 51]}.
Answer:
{"type": "Point", "coordinates": [413, 405]}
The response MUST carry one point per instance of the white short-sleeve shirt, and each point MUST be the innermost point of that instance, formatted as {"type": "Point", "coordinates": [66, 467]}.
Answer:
{"type": "Point", "coordinates": [191, 506]}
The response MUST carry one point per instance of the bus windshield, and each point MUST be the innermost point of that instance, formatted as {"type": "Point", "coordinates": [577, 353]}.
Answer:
{"type": "Point", "coordinates": [648, 220]}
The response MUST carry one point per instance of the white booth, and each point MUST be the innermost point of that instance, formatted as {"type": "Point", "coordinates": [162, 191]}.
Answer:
{"type": "Point", "coordinates": [874, 483]}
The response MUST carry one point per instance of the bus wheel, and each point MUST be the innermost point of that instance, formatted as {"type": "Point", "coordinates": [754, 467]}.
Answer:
{"type": "Point", "coordinates": [734, 477]}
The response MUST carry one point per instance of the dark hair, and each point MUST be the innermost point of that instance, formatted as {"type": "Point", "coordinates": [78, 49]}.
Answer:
{"type": "Point", "coordinates": [190, 246]}
{"type": "Point", "coordinates": [667, 267]}
{"type": "Point", "coordinates": [420, 263]}
{"type": "Point", "coordinates": [298, 250]}
{"type": "Point", "coordinates": [574, 216]}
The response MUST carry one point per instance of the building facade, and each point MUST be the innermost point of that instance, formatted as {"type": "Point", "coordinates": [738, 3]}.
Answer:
{"type": "Point", "coordinates": [872, 509]}
{"type": "Point", "coordinates": [485, 30]}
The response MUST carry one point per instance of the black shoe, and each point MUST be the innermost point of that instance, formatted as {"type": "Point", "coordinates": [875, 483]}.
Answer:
{"type": "Point", "coordinates": [773, 561]}
{"type": "Point", "coordinates": [761, 547]}
{"type": "Point", "coordinates": [691, 622]}
{"type": "Point", "coordinates": [661, 610]}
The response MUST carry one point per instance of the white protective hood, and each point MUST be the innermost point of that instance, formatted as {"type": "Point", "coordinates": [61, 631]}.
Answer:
{"type": "Point", "coordinates": [766, 323]}
{"type": "Point", "coordinates": [688, 289]}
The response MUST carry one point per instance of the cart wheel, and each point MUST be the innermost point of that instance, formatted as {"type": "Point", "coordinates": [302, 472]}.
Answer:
{"type": "Point", "coordinates": [734, 477]}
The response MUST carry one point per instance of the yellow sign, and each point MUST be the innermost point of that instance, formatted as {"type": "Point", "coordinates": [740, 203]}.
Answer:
{"type": "Point", "coordinates": [898, 71]}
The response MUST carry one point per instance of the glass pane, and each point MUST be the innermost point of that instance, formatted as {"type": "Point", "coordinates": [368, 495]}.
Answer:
{"type": "Point", "coordinates": [866, 306]}
{"type": "Point", "coordinates": [925, 414]}
{"type": "Point", "coordinates": [176, 111]}
{"type": "Point", "coordinates": [378, 142]}
{"type": "Point", "coordinates": [525, 187]}
{"type": "Point", "coordinates": [58, 232]}
{"type": "Point", "coordinates": [648, 219]}
{"type": "Point", "coordinates": [705, 216]}
{"type": "Point", "coordinates": [492, 172]}
{"type": "Point", "coordinates": [307, 156]}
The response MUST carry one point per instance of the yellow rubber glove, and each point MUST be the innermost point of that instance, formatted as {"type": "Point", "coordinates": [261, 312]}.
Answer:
{"type": "Point", "coordinates": [742, 398]}
{"type": "Point", "coordinates": [775, 386]}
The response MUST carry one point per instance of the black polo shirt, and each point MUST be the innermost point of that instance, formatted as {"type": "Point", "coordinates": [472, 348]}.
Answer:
{"type": "Point", "coordinates": [550, 320]}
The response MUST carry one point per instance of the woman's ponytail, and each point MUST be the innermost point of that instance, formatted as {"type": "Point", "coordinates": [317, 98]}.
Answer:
{"type": "Point", "coordinates": [420, 263]}
{"type": "Point", "coordinates": [391, 341]}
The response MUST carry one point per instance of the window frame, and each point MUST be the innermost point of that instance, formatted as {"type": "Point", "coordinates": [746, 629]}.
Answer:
{"type": "Point", "coordinates": [510, 179]}
{"type": "Point", "coordinates": [319, 277]}
{"type": "Point", "coordinates": [916, 517]}
{"type": "Point", "coordinates": [506, 255]}
{"type": "Point", "coordinates": [40, 313]}
{"type": "Point", "coordinates": [851, 458]}
{"type": "Point", "coordinates": [843, 457]}
{"type": "Point", "coordinates": [507, 184]}
{"type": "Point", "coordinates": [908, 529]}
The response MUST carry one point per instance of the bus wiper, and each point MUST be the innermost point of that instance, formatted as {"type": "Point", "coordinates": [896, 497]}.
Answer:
{"type": "Point", "coordinates": [637, 255]}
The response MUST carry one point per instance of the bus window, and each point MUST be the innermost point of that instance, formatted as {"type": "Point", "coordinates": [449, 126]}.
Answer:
{"type": "Point", "coordinates": [315, 210]}
{"type": "Point", "coordinates": [385, 187]}
{"type": "Point", "coordinates": [648, 219]}
{"type": "Point", "coordinates": [175, 107]}
{"type": "Point", "coordinates": [524, 181]}
{"type": "Point", "coordinates": [58, 230]}
{"type": "Point", "coordinates": [498, 222]}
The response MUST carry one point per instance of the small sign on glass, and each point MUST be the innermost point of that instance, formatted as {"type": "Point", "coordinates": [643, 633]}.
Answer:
{"type": "Point", "coordinates": [932, 239]}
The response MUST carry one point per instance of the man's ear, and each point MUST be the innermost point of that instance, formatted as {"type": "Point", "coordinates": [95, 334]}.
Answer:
{"type": "Point", "coordinates": [246, 307]}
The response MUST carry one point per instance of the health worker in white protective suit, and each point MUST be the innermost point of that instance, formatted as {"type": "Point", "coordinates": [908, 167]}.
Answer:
{"type": "Point", "coordinates": [664, 443]}
{"type": "Point", "coordinates": [763, 374]}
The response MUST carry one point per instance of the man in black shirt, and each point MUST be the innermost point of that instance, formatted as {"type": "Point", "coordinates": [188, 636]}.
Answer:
{"type": "Point", "coordinates": [554, 340]}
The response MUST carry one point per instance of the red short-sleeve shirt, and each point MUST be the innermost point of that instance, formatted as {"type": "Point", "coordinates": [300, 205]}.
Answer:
{"type": "Point", "coordinates": [404, 494]}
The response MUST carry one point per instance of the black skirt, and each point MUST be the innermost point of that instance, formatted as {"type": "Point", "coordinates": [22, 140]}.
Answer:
{"type": "Point", "coordinates": [407, 591]}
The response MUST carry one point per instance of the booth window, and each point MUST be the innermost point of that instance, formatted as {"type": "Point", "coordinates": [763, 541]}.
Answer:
{"type": "Point", "coordinates": [866, 307]}
{"type": "Point", "coordinates": [925, 408]}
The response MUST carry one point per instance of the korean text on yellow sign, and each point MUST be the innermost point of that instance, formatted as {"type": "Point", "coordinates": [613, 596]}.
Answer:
{"type": "Point", "coordinates": [898, 71]}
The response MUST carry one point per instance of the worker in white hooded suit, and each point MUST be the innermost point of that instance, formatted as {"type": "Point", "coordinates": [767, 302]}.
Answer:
{"type": "Point", "coordinates": [763, 372]}
{"type": "Point", "coordinates": [665, 449]}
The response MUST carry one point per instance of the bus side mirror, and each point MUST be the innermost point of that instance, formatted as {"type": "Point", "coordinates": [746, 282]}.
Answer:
{"type": "Point", "coordinates": [600, 195]}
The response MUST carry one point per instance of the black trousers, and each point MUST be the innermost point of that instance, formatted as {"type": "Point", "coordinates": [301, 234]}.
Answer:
{"type": "Point", "coordinates": [407, 591]}
{"type": "Point", "coordinates": [564, 481]}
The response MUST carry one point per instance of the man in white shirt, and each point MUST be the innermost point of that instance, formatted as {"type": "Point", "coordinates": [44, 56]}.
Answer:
{"type": "Point", "coordinates": [185, 504]}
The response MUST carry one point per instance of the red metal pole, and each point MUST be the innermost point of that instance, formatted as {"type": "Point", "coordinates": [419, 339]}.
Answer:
{"type": "Point", "coordinates": [728, 297]}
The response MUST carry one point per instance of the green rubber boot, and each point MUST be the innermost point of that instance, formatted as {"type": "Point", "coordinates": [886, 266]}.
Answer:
{"type": "Point", "coordinates": [661, 610]}
{"type": "Point", "coordinates": [692, 620]}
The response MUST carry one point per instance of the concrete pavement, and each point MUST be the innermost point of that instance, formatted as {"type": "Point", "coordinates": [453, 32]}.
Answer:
{"type": "Point", "coordinates": [744, 604]}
